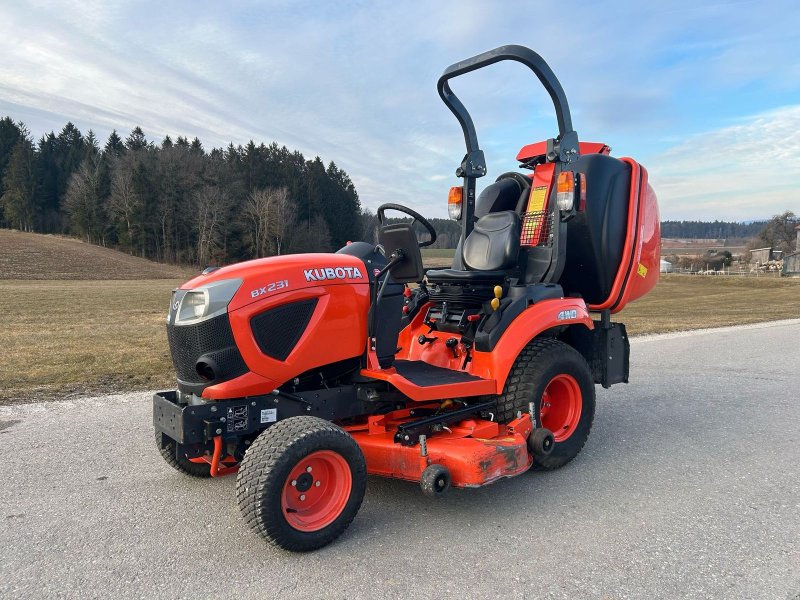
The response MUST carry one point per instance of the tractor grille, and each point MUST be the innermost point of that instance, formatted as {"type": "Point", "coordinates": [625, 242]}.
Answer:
{"type": "Point", "coordinates": [278, 330]}
{"type": "Point", "coordinates": [212, 338]}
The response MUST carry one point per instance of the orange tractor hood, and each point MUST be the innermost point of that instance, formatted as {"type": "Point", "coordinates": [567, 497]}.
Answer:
{"type": "Point", "coordinates": [264, 278]}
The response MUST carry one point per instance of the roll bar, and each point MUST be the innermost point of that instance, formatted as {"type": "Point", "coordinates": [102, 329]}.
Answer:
{"type": "Point", "coordinates": [565, 147]}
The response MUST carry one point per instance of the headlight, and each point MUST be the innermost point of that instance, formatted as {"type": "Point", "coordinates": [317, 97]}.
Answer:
{"type": "Point", "coordinates": [204, 302]}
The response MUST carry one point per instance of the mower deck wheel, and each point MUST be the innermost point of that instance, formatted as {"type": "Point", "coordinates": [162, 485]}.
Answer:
{"type": "Point", "coordinates": [181, 463]}
{"type": "Point", "coordinates": [301, 483]}
{"type": "Point", "coordinates": [541, 442]}
{"type": "Point", "coordinates": [435, 481]}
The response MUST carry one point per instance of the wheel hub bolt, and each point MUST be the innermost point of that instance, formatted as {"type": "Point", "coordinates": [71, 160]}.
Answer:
{"type": "Point", "coordinates": [308, 469]}
{"type": "Point", "coordinates": [302, 497]}
{"type": "Point", "coordinates": [294, 482]}
{"type": "Point", "coordinates": [317, 483]}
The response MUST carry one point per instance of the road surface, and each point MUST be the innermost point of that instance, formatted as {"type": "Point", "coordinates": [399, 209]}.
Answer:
{"type": "Point", "coordinates": [687, 488]}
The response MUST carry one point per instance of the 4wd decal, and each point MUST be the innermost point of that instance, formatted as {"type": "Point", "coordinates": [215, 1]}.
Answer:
{"type": "Point", "coordinates": [567, 314]}
{"type": "Point", "coordinates": [333, 273]}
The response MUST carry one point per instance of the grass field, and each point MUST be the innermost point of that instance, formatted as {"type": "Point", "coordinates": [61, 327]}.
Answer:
{"type": "Point", "coordinates": [46, 257]}
{"type": "Point", "coordinates": [72, 337]}
{"type": "Point", "coordinates": [438, 257]}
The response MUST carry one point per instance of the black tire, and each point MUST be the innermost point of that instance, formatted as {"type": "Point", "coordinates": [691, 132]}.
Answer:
{"type": "Point", "coordinates": [182, 464]}
{"type": "Point", "coordinates": [435, 481]}
{"type": "Point", "coordinates": [536, 366]}
{"type": "Point", "coordinates": [265, 471]}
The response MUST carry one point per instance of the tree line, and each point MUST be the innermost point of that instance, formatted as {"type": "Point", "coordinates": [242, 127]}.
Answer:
{"type": "Point", "coordinates": [174, 201]}
{"type": "Point", "coordinates": [710, 230]}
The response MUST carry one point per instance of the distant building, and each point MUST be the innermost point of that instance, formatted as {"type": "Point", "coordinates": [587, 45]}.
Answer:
{"type": "Point", "coordinates": [760, 256]}
{"type": "Point", "coordinates": [666, 266]}
{"type": "Point", "coordinates": [791, 262]}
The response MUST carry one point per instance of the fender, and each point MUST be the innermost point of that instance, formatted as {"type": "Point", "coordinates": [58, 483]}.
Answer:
{"type": "Point", "coordinates": [530, 323]}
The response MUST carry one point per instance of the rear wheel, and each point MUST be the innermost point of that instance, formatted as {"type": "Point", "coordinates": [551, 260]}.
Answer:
{"type": "Point", "coordinates": [301, 483]}
{"type": "Point", "coordinates": [180, 463]}
{"type": "Point", "coordinates": [555, 377]}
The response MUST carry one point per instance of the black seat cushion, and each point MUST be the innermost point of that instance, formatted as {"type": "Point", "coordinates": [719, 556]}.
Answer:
{"type": "Point", "coordinates": [493, 244]}
{"type": "Point", "coordinates": [456, 276]}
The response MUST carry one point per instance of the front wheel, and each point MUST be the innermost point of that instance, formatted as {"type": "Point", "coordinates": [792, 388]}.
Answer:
{"type": "Point", "coordinates": [167, 448]}
{"type": "Point", "coordinates": [301, 483]}
{"type": "Point", "coordinates": [555, 377]}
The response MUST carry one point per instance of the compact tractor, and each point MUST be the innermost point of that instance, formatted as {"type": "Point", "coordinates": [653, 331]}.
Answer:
{"type": "Point", "coordinates": [305, 373]}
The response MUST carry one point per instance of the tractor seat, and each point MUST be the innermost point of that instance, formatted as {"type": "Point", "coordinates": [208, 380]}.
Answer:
{"type": "Point", "coordinates": [490, 250]}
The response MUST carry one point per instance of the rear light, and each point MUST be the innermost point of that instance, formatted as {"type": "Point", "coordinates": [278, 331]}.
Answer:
{"type": "Point", "coordinates": [454, 203]}
{"type": "Point", "coordinates": [582, 186]}
{"type": "Point", "coordinates": [565, 191]}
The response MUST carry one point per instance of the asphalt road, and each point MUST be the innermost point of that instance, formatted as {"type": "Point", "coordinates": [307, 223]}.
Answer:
{"type": "Point", "coordinates": [687, 488]}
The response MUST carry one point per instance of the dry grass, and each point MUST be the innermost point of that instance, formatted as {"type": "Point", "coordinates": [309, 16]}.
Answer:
{"type": "Point", "coordinates": [73, 337]}
{"type": "Point", "coordinates": [681, 302]}
{"type": "Point", "coordinates": [47, 257]}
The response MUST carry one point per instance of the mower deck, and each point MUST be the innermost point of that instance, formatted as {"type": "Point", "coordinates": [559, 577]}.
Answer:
{"type": "Point", "coordinates": [475, 451]}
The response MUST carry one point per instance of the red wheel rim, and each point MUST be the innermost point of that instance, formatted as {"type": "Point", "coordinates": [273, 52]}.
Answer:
{"type": "Point", "coordinates": [560, 411]}
{"type": "Point", "coordinates": [316, 491]}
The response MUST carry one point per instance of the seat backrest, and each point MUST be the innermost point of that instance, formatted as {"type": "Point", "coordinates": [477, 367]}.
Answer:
{"type": "Point", "coordinates": [400, 236]}
{"type": "Point", "coordinates": [493, 244]}
{"type": "Point", "coordinates": [501, 195]}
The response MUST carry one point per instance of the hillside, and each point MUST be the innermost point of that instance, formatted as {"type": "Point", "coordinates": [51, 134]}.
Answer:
{"type": "Point", "coordinates": [38, 256]}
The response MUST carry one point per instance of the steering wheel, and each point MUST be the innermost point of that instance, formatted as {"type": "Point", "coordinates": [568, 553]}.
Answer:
{"type": "Point", "coordinates": [418, 218]}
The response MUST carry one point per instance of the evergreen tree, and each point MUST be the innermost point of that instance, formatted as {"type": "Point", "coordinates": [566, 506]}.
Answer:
{"type": "Point", "coordinates": [19, 200]}
{"type": "Point", "coordinates": [136, 141]}
{"type": "Point", "coordinates": [10, 134]}
{"type": "Point", "coordinates": [114, 146]}
{"type": "Point", "coordinates": [91, 145]}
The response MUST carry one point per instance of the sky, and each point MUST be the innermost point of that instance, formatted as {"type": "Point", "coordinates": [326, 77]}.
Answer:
{"type": "Point", "coordinates": [706, 95]}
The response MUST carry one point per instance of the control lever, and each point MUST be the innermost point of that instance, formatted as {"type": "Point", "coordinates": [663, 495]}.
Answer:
{"type": "Point", "coordinates": [452, 343]}
{"type": "Point", "coordinates": [425, 340]}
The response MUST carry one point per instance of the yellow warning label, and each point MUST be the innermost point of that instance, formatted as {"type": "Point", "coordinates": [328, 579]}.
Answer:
{"type": "Point", "coordinates": [537, 199]}
{"type": "Point", "coordinates": [642, 270]}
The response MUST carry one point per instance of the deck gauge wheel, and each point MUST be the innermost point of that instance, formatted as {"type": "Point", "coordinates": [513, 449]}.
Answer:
{"type": "Point", "coordinates": [435, 481]}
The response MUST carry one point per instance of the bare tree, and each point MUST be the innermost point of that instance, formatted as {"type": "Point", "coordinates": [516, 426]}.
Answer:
{"type": "Point", "coordinates": [209, 201]}
{"type": "Point", "coordinates": [124, 201]}
{"type": "Point", "coordinates": [82, 199]}
{"type": "Point", "coordinates": [256, 210]}
{"type": "Point", "coordinates": [270, 218]}
{"type": "Point", "coordinates": [280, 221]}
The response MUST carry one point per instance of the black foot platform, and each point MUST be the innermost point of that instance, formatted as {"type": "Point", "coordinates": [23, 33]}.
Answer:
{"type": "Point", "coordinates": [425, 375]}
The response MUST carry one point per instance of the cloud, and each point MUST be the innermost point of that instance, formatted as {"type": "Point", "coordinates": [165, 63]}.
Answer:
{"type": "Point", "coordinates": [748, 170]}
